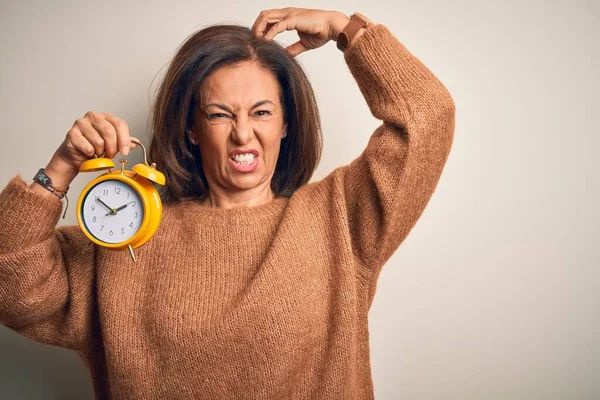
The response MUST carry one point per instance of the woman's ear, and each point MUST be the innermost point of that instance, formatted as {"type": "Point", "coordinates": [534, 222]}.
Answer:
{"type": "Point", "coordinates": [192, 136]}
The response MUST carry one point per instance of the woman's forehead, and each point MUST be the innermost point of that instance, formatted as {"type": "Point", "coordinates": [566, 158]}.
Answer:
{"type": "Point", "coordinates": [243, 84]}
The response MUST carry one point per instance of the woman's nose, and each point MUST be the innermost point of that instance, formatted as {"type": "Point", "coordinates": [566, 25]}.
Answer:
{"type": "Point", "coordinates": [242, 130]}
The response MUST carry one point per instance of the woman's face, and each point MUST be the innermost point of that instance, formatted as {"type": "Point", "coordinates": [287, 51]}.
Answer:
{"type": "Point", "coordinates": [240, 112]}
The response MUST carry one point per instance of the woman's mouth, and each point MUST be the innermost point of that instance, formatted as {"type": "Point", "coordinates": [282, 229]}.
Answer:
{"type": "Point", "coordinates": [244, 162]}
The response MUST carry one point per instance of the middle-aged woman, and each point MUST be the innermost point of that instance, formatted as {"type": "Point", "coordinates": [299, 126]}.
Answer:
{"type": "Point", "coordinates": [257, 284]}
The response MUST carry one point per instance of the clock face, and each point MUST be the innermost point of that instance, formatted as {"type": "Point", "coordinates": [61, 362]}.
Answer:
{"type": "Point", "coordinates": [112, 211]}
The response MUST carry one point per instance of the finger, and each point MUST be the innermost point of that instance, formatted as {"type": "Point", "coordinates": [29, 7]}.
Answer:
{"type": "Point", "coordinates": [265, 26]}
{"type": "Point", "coordinates": [257, 21]}
{"type": "Point", "coordinates": [267, 18]}
{"type": "Point", "coordinates": [108, 133]}
{"type": "Point", "coordinates": [132, 144]}
{"type": "Point", "coordinates": [90, 134]}
{"type": "Point", "coordinates": [76, 141]}
{"type": "Point", "coordinates": [122, 129]}
{"type": "Point", "coordinates": [296, 48]}
{"type": "Point", "coordinates": [281, 26]}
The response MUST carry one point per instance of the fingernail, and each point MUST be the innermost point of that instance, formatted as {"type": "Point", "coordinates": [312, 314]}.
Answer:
{"type": "Point", "coordinates": [125, 150]}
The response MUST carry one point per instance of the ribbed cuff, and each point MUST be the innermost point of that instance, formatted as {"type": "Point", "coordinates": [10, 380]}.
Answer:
{"type": "Point", "coordinates": [385, 70]}
{"type": "Point", "coordinates": [26, 217]}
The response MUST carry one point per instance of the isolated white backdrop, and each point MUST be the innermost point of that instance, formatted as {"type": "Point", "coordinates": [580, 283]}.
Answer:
{"type": "Point", "coordinates": [493, 294]}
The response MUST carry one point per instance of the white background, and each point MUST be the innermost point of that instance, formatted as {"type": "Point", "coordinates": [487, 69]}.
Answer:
{"type": "Point", "coordinates": [494, 294]}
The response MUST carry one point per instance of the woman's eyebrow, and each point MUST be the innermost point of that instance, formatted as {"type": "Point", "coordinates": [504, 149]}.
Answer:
{"type": "Point", "coordinates": [260, 103]}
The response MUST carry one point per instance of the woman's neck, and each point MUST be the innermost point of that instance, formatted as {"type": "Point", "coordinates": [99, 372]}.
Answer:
{"type": "Point", "coordinates": [245, 198]}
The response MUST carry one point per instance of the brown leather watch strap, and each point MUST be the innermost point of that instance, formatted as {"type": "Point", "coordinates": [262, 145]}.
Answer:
{"type": "Point", "coordinates": [357, 21]}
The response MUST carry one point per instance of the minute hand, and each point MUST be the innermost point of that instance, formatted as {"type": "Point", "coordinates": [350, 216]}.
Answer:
{"type": "Point", "coordinates": [122, 207]}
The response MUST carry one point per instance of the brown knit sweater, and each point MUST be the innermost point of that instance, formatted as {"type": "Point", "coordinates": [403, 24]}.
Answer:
{"type": "Point", "coordinates": [266, 302]}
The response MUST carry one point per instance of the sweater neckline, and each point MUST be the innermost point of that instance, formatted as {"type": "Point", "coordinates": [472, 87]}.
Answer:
{"type": "Point", "coordinates": [237, 215]}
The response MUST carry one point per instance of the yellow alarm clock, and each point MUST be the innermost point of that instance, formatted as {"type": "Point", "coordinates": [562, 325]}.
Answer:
{"type": "Point", "coordinates": [120, 209]}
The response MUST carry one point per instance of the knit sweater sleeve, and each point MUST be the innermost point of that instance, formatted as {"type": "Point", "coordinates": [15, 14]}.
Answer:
{"type": "Point", "coordinates": [386, 189]}
{"type": "Point", "coordinates": [46, 273]}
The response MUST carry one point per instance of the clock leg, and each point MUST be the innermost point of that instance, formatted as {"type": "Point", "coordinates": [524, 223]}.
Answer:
{"type": "Point", "coordinates": [131, 252]}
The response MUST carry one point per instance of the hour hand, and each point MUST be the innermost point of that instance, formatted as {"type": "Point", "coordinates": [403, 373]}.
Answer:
{"type": "Point", "coordinates": [105, 205]}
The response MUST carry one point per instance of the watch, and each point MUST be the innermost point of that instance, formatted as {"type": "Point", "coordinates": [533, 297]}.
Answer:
{"type": "Point", "coordinates": [357, 21]}
{"type": "Point", "coordinates": [45, 181]}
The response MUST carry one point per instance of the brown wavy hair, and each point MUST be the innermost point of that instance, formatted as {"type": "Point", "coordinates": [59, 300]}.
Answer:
{"type": "Point", "coordinates": [174, 109]}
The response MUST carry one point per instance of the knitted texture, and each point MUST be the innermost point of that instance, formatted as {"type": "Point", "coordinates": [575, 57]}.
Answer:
{"type": "Point", "coordinates": [266, 302]}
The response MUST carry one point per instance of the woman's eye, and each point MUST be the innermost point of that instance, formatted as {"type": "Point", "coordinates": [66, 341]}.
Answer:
{"type": "Point", "coordinates": [266, 112]}
{"type": "Point", "coordinates": [218, 115]}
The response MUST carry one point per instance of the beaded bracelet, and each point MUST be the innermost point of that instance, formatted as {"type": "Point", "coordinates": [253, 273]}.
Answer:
{"type": "Point", "coordinates": [44, 181]}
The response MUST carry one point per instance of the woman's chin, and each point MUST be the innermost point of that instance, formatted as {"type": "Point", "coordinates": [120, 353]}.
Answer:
{"type": "Point", "coordinates": [244, 183]}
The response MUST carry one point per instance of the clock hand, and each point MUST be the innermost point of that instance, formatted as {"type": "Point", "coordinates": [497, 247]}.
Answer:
{"type": "Point", "coordinates": [105, 205]}
{"type": "Point", "coordinates": [122, 207]}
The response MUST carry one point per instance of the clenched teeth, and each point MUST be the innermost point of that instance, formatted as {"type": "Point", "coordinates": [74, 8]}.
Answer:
{"type": "Point", "coordinates": [244, 158]}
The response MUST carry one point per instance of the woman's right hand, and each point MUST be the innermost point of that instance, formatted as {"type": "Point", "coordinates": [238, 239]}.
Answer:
{"type": "Point", "coordinates": [95, 133]}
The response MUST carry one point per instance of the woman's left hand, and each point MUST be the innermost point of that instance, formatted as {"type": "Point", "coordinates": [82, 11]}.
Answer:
{"type": "Point", "coordinates": [315, 27]}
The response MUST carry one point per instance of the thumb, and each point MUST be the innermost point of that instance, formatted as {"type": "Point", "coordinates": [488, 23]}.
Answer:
{"type": "Point", "coordinates": [134, 144]}
{"type": "Point", "coordinates": [296, 48]}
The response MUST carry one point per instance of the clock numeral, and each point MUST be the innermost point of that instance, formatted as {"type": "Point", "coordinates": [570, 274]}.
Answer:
{"type": "Point", "coordinates": [93, 208]}
{"type": "Point", "coordinates": [131, 224]}
{"type": "Point", "coordinates": [118, 190]}
{"type": "Point", "coordinates": [105, 192]}
{"type": "Point", "coordinates": [101, 227]}
{"type": "Point", "coordinates": [110, 233]}
{"type": "Point", "coordinates": [94, 219]}
{"type": "Point", "coordinates": [134, 203]}
{"type": "Point", "coordinates": [127, 194]}
{"type": "Point", "coordinates": [122, 231]}
{"type": "Point", "coordinates": [135, 215]}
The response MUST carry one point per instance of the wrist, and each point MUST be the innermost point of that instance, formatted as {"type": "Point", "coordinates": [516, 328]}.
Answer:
{"type": "Point", "coordinates": [340, 22]}
{"type": "Point", "coordinates": [54, 180]}
{"type": "Point", "coordinates": [60, 172]}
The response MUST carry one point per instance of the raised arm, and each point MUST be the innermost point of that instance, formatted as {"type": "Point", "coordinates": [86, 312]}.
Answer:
{"type": "Point", "coordinates": [385, 190]}
{"type": "Point", "coordinates": [46, 273]}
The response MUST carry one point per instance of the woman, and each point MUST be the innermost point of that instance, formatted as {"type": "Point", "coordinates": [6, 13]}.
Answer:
{"type": "Point", "coordinates": [257, 284]}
